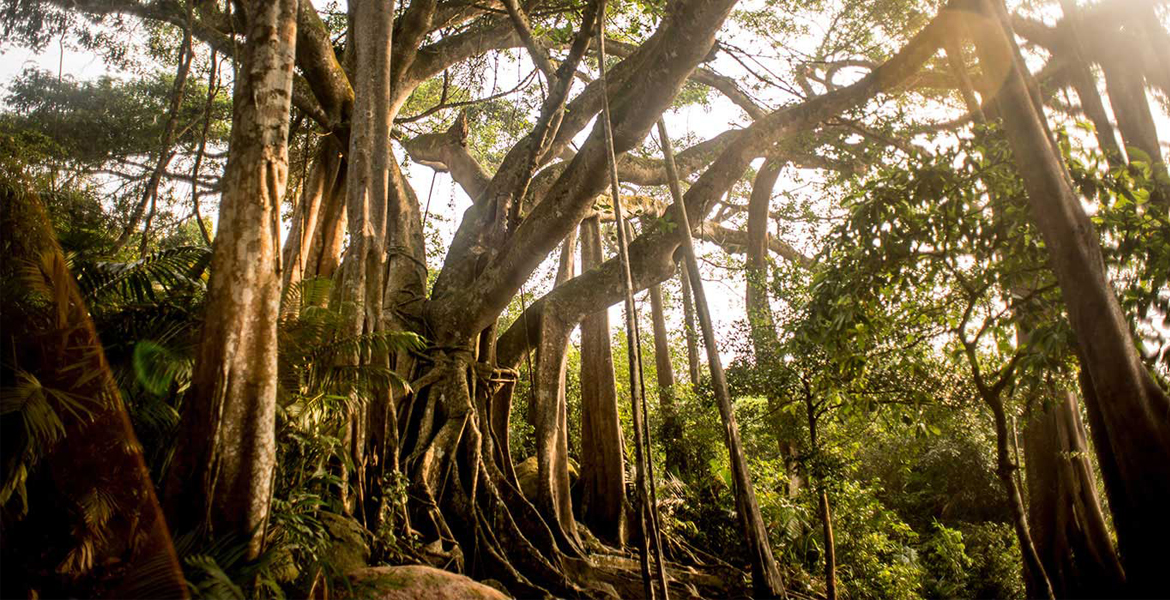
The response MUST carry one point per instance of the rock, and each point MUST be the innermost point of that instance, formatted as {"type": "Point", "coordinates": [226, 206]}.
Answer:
{"type": "Point", "coordinates": [526, 475]}
{"type": "Point", "coordinates": [416, 582]}
{"type": "Point", "coordinates": [348, 550]}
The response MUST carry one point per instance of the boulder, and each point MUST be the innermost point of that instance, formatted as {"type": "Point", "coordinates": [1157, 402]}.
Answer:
{"type": "Point", "coordinates": [526, 475]}
{"type": "Point", "coordinates": [348, 550]}
{"type": "Point", "coordinates": [416, 582]}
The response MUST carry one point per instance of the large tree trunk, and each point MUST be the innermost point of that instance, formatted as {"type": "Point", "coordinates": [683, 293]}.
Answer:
{"type": "Point", "coordinates": [225, 460]}
{"type": "Point", "coordinates": [367, 188]}
{"type": "Point", "coordinates": [603, 475]}
{"type": "Point", "coordinates": [1067, 523]}
{"type": "Point", "coordinates": [1131, 407]}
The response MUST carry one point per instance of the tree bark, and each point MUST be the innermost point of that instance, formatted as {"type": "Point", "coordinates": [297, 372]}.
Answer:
{"type": "Point", "coordinates": [672, 429]}
{"type": "Point", "coordinates": [765, 575]}
{"type": "Point", "coordinates": [317, 229]}
{"type": "Point", "coordinates": [603, 475]}
{"type": "Point", "coordinates": [1131, 406]}
{"type": "Point", "coordinates": [1066, 520]}
{"type": "Point", "coordinates": [225, 460]}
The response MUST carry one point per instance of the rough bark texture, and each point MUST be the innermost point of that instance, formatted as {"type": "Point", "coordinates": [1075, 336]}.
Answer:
{"type": "Point", "coordinates": [222, 476]}
{"type": "Point", "coordinates": [1067, 522]}
{"type": "Point", "coordinates": [1131, 407]}
{"type": "Point", "coordinates": [603, 477]}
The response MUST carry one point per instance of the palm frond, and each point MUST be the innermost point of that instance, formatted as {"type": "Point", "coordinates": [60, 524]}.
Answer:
{"type": "Point", "coordinates": [143, 280]}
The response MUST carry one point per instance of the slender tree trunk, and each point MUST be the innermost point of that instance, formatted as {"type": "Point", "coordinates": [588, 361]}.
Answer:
{"type": "Point", "coordinates": [226, 455]}
{"type": "Point", "coordinates": [212, 92]}
{"type": "Point", "coordinates": [166, 150]}
{"type": "Point", "coordinates": [603, 479]}
{"type": "Point", "coordinates": [1067, 524]}
{"type": "Point", "coordinates": [672, 429]}
{"type": "Point", "coordinates": [765, 575]}
{"type": "Point", "coordinates": [1131, 406]}
{"type": "Point", "coordinates": [823, 499]}
{"type": "Point", "coordinates": [761, 323]}
{"type": "Point", "coordinates": [1034, 574]}
{"type": "Point", "coordinates": [550, 410]}
{"type": "Point", "coordinates": [693, 366]}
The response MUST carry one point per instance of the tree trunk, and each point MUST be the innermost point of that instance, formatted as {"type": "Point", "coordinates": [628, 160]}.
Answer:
{"type": "Point", "coordinates": [761, 324]}
{"type": "Point", "coordinates": [317, 229]}
{"type": "Point", "coordinates": [224, 463]}
{"type": "Point", "coordinates": [603, 475]}
{"type": "Point", "coordinates": [1132, 408]}
{"type": "Point", "coordinates": [1085, 84]}
{"type": "Point", "coordinates": [826, 512]}
{"type": "Point", "coordinates": [367, 187]}
{"type": "Point", "coordinates": [672, 428]}
{"type": "Point", "coordinates": [550, 411]}
{"type": "Point", "coordinates": [1035, 576]}
{"type": "Point", "coordinates": [693, 365]}
{"type": "Point", "coordinates": [765, 575]}
{"type": "Point", "coordinates": [1067, 524]}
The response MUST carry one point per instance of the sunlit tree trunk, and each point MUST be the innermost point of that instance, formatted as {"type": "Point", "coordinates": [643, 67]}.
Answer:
{"type": "Point", "coordinates": [225, 460]}
{"type": "Point", "coordinates": [1130, 405]}
{"type": "Point", "coordinates": [317, 228]}
{"type": "Point", "coordinates": [603, 479]}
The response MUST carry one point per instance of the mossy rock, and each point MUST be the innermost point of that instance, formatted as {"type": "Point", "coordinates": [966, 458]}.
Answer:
{"type": "Point", "coordinates": [348, 550]}
{"type": "Point", "coordinates": [526, 475]}
{"type": "Point", "coordinates": [417, 582]}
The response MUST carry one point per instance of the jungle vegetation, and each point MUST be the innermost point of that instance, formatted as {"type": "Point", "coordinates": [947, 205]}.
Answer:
{"type": "Point", "coordinates": [888, 278]}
